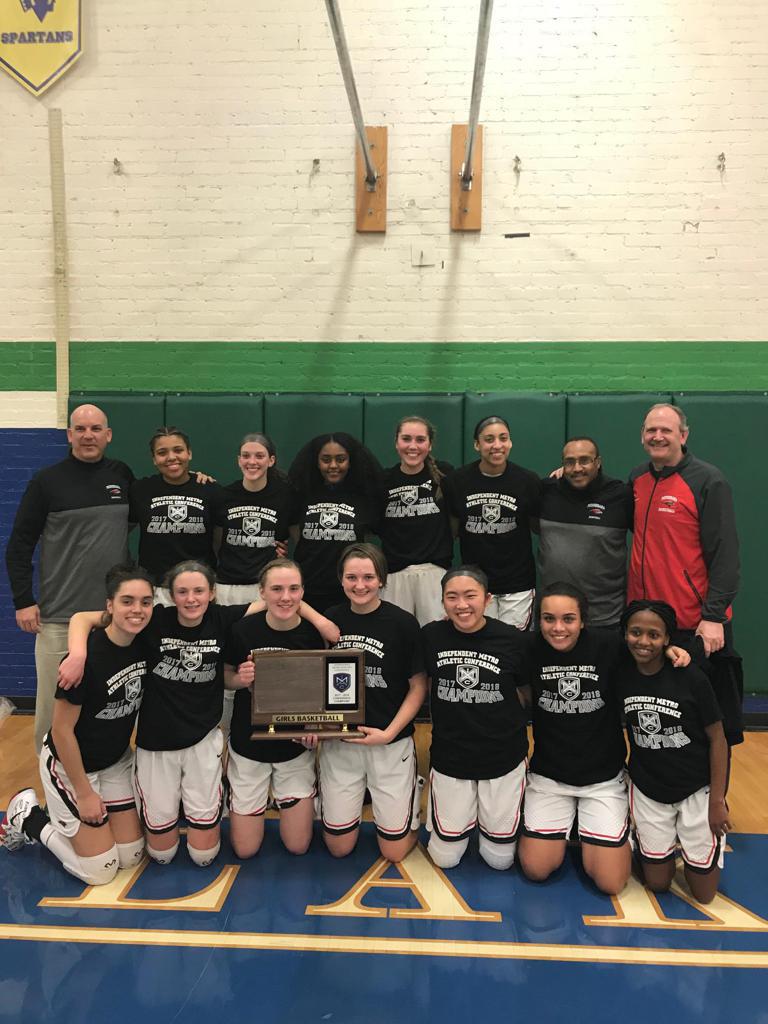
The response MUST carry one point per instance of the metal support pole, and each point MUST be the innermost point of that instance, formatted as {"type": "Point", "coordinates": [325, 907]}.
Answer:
{"type": "Point", "coordinates": [337, 29]}
{"type": "Point", "coordinates": [483, 33]}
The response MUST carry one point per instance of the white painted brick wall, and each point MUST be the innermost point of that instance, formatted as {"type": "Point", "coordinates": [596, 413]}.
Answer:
{"type": "Point", "coordinates": [217, 229]}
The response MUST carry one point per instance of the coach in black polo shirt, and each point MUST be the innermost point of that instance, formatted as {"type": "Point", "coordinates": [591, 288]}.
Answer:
{"type": "Point", "coordinates": [583, 531]}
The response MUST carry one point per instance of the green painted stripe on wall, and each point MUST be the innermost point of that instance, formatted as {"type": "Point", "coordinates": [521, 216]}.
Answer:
{"type": "Point", "coordinates": [392, 366]}
{"type": "Point", "coordinates": [27, 366]}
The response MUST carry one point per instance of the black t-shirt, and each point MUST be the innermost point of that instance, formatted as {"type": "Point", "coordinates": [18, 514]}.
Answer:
{"type": "Point", "coordinates": [414, 525]}
{"type": "Point", "coordinates": [478, 723]}
{"type": "Point", "coordinates": [336, 518]}
{"type": "Point", "coordinates": [667, 715]}
{"type": "Point", "coordinates": [175, 522]}
{"type": "Point", "coordinates": [254, 633]}
{"type": "Point", "coordinates": [185, 688]}
{"type": "Point", "coordinates": [391, 640]}
{"type": "Point", "coordinates": [109, 698]}
{"type": "Point", "coordinates": [252, 522]}
{"type": "Point", "coordinates": [494, 514]}
{"type": "Point", "coordinates": [577, 731]}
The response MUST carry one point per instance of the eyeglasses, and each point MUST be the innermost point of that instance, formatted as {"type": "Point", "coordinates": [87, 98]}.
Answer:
{"type": "Point", "coordinates": [583, 462]}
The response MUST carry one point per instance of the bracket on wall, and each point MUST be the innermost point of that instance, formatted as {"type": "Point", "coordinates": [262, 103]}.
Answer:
{"type": "Point", "coordinates": [370, 178]}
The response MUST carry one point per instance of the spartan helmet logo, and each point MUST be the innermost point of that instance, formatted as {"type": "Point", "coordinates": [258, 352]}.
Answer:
{"type": "Point", "coordinates": [467, 676]}
{"type": "Point", "coordinates": [569, 687]}
{"type": "Point", "coordinates": [177, 513]}
{"type": "Point", "coordinates": [252, 525]}
{"type": "Point", "coordinates": [191, 658]}
{"type": "Point", "coordinates": [40, 7]}
{"type": "Point", "coordinates": [132, 689]}
{"type": "Point", "coordinates": [491, 513]}
{"type": "Point", "coordinates": [330, 518]}
{"type": "Point", "coordinates": [410, 497]}
{"type": "Point", "coordinates": [649, 721]}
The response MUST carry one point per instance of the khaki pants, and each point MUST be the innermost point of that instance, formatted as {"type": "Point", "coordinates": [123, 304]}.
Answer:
{"type": "Point", "coordinates": [50, 648]}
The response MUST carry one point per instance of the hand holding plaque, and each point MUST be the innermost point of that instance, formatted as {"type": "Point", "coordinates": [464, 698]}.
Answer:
{"type": "Point", "coordinates": [320, 692]}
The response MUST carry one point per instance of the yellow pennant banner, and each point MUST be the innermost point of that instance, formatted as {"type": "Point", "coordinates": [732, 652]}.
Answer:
{"type": "Point", "coordinates": [39, 40]}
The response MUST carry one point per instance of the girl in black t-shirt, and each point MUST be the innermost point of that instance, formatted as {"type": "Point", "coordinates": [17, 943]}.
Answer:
{"type": "Point", "coordinates": [339, 484]}
{"type": "Point", "coordinates": [479, 739]}
{"type": "Point", "coordinates": [678, 757]}
{"type": "Point", "coordinates": [86, 762]}
{"type": "Point", "coordinates": [174, 511]}
{"type": "Point", "coordinates": [577, 768]}
{"type": "Point", "coordinates": [258, 768]}
{"type": "Point", "coordinates": [255, 514]}
{"type": "Point", "coordinates": [384, 760]}
{"type": "Point", "coordinates": [414, 525]}
{"type": "Point", "coordinates": [491, 503]}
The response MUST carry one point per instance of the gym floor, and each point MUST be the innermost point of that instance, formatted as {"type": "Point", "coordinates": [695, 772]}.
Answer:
{"type": "Point", "coordinates": [281, 938]}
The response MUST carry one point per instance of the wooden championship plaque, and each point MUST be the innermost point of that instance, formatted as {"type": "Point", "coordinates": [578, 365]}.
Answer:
{"type": "Point", "coordinates": [320, 692]}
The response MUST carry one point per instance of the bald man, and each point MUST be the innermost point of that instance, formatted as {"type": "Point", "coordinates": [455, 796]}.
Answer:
{"type": "Point", "coordinates": [77, 510]}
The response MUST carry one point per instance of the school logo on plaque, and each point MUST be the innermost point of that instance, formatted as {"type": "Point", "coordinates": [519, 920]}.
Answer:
{"type": "Point", "coordinates": [649, 721]}
{"type": "Point", "coordinates": [342, 681]}
{"type": "Point", "coordinates": [39, 40]}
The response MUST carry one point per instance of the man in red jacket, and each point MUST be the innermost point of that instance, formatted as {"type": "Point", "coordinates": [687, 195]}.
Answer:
{"type": "Point", "coordinates": [685, 549]}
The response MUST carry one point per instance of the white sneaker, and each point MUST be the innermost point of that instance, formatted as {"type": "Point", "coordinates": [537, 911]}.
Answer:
{"type": "Point", "coordinates": [12, 836]}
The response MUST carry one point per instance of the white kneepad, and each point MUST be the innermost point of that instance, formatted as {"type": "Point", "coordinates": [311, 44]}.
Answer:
{"type": "Point", "coordinates": [499, 856]}
{"type": "Point", "coordinates": [446, 855]}
{"type": "Point", "coordinates": [162, 856]}
{"type": "Point", "coordinates": [203, 857]}
{"type": "Point", "coordinates": [99, 870]}
{"type": "Point", "coordinates": [130, 854]}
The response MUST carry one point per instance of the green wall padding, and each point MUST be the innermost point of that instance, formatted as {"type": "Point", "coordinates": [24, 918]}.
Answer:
{"type": "Point", "coordinates": [445, 412]}
{"type": "Point", "coordinates": [731, 431]}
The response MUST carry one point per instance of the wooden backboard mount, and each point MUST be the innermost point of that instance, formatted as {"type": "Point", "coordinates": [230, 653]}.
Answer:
{"type": "Point", "coordinates": [371, 207]}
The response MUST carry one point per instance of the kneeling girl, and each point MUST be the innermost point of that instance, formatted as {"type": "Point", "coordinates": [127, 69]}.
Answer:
{"type": "Point", "coordinates": [678, 757]}
{"type": "Point", "coordinates": [86, 762]}
{"type": "Point", "coordinates": [479, 739]}
{"type": "Point", "coordinates": [395, 688]}
{"type": "Point", "coordinates": [577, 768]}
{"type": "Point", "coordinates": [256, 767]}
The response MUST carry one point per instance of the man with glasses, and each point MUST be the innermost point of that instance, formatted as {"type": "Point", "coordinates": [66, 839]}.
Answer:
{"type": "Point", "coordinates": [583, 531]}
